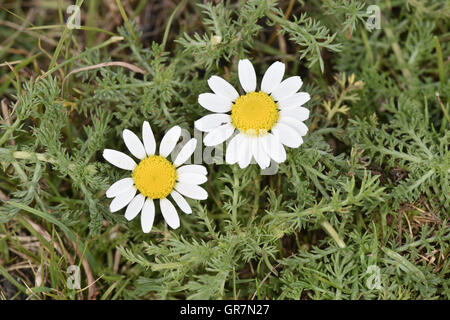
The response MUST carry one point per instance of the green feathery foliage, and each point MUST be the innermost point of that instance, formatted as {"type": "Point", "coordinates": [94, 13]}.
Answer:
{"type": "Point", "coordinates": [367, 193]}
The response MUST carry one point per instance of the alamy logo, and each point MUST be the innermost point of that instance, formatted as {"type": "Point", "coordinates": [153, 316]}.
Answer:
{"type": "Point", "coordinates": [73, 22]}
{"type": "Point", "coordinates": [374, 20]}
{"type": "Point", "coordinates": [74, 279]}
{"type": "Point", "coordinates": [374, 279]}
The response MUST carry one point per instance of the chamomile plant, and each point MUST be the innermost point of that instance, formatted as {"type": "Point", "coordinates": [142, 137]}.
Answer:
{"type": "Point", "coordinates": [265, 121]}
{"type": "Point", "coordinates": [155, 177]}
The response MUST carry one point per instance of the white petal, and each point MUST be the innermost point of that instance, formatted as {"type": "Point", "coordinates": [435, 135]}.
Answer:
{"type": "Point", "coordinates": [169, 213]}
{"type": "Point", "coordinates": [232, 152]}
{"type": "Point", "coordinates": [296, 100]}
{"type": "Point", "coordinates": [148, 138]}
{"type": "Point", "coordinates": [134, 207]}
{"type": "Point", "coordinates": [147, 215]}
{"type": "Point", "coordinates": [247, 75]}
{"type": "Point", "coordinates": [299, 113]}
{"type": "Point", "coordinates": [169, 141]}
{"type": "Point", "coordinates": [214, 102]}
{"type": "Point", "coordinates": [273, 76]}
{"type": "Point", "coordinates": [212, 121]}
{"type": "Point", "coordinates": [119, 186]}
{"type": "Point", "coordinates": [287, 88]}
{"type": "Point", "coordinates": [222, 88]}
{"type": "Point", "coordinates": [119, 159]}
{"type": "Point", "coordinates": [186, 152]}
{"type": "Point", "coordinates": [134, 144]}
{"type": "Point", "coordinates": [245, 155]}
{"type": "Point", "coordinates": [192, 178]}
{"type": "Point", "coordinates": [298, 126]}
{"type": "Point", "coordinates": [287, 135]}
{"type": "Point", "coordinates": [181, 202]}
{"type": "Point", "coordinates": [122, 200]}
{"type": "Point", "coordinates": [218, 135]}
{"type": "Point", "coordinates": [192, 168]}
{"type": "Point", "coordinates": [273, 147]}
{"type": "Point", "coordinates": [259, 153]}
{"type": "Point", "coordinates": [191, 191]}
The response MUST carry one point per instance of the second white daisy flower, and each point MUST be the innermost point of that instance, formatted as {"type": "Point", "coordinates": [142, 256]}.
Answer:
{"type": "Point", "coordinates": [155, 177]}
{"type": "Point", "coordinates": [266, 120]}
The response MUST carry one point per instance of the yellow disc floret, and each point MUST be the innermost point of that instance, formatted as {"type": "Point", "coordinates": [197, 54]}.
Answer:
{"type": "Point", "coordinates": [254, 113]}
{"type": "Point", "coordinates": [155, 177]}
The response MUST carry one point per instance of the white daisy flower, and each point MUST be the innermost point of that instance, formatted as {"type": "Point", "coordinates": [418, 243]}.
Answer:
{"type": "Point", "coordinates": [265, 120]}
{"type": "Point", "coordinates": [155, 177]}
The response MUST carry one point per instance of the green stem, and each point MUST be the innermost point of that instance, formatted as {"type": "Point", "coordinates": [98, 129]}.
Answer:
{"type": "Point", "coordinates": [235, 198]}
{"type": "Point", "coordinates": [85, 53]}
{"type": "Point", "coordinates": [398, 53]}
{"type": "Point", "coordinates": [126, 21]}
{"type": "Point", "coordinates": [75, 238]}
{"type": "Point", "coordinates": [11, 279]}
{"type": "Point", "coordinates": [169, 23]}
{"type": "Point", "coordinates": [333, 233]}
{"type": "Point", "coordinates": [440, 60]}
{"type": "Point", "coordinates": [8, 132]}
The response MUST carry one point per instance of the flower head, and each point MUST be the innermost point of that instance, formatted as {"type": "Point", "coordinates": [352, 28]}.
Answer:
{"type": "Point", "coordinates": [265, 120]}
{"type": "Point", "coordinates": [155, 177]}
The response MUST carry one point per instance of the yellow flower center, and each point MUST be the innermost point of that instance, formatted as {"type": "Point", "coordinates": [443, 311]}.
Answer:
{"type": "Point", "coordinates": [254, 113]}
{"type": "Point", "coordinates": [155, 177]}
